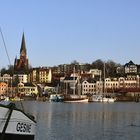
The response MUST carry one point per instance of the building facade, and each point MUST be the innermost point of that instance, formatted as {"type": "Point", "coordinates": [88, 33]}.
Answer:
{"type": "Point", "coordinates": [41, 75]}
{"type": "Point", "coordinates": [27, 89]}
{"type": "Point", "coordinates": [88, 87]}
{"type": "Point", "coordinates": [23, 78]}
{"type": "Point", "coordinates": [3, 88]}
{"type": "Point", "coordinates": [130, 68]}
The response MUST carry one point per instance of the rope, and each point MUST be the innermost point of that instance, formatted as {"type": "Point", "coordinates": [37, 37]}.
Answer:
{"type": "Point", "coordinates": [5, 46]}
{"type": "Point", "coordinates": [8, 58]}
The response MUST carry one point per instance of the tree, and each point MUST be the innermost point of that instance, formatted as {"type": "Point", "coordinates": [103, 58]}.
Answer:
{"type": "Point", "coordinates": [98, 64]}
{"type": "Point", "coordinates": [74, 62]}
{"type": "Point", "coordinates": [8, 71]}
{"type": "Point", "coordinates": [110, 67]}
{"type": "Point", "coordinates": [3, 71]}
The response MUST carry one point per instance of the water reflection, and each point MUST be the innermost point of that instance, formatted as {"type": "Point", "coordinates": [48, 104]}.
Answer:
{"type": "Point", "coordinates": [91, 121]}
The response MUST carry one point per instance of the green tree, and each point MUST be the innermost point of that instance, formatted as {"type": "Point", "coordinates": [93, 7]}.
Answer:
{"type": "Point", "coordinates": [98, 64]}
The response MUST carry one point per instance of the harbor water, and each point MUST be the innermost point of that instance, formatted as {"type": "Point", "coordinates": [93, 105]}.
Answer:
{"type": "Point", "coordinates": [85, 121]}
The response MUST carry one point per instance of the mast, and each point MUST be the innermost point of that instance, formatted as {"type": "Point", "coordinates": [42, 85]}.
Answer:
{"type": "Point", "coordinates": [74, 81]}
{"type": "Point", "coordinates": [104, 80]}
{"type": "Point", "coordinates": [66, 88]}
{"type": "Point", "coordinates": [100, 87]}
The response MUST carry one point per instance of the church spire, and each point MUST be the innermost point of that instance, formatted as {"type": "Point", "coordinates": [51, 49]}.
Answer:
{"type": "Point", "coordinates": [21, 64]}
{"type": "Point", "coordinates": [23, 45]}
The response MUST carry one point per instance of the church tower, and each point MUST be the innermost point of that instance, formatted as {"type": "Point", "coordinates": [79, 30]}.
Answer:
{"type": "Point", "coordinates": [21, 64]}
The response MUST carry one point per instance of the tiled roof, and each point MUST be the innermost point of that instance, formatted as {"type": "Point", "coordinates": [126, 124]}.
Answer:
{"type": "Point", "coordinates": [129, 63]}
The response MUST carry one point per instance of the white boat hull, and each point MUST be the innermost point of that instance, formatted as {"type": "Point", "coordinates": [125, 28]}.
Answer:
{"type": "Point", "coordinates": [100, 98]}
{"type": "Point", "coordinates": [76, 101]}
{"type": "Point", "coordinates": [20, 125]}
{"type": "Point", "coordinates": [75, 98]}
{"type": "Point", "coordinates": [108, 99]}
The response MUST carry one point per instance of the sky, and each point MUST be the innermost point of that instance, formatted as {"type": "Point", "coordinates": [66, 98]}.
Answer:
{"type": "Point", "coordinates": [61, 31]}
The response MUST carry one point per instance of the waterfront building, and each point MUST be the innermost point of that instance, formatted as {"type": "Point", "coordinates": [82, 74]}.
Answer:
{"type": "Point", "coordinates": [89, 86]}
{"type": "Point", "coordinates": [111, 84]}
{"type": "Point", "coordinates": [3, 88]}
{"type": "Point", "coordinates": [51, 88]}
{"type": "Point", "coordinates": [92, 86]}
{"type": "Point", "coordinates": [27, 89]}
{"type": "Point", "coordinates": [129, 82]}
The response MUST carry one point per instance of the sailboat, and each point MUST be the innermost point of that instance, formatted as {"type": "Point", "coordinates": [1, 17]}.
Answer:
{"type": "Point", "coordinates": [15, 124]}
{"type": "Point", "coordinates": [74, 97]}
{"type": "Point", "coordinates": [101, 96]}
{"type": "Point", "coordinates": [106, 98]}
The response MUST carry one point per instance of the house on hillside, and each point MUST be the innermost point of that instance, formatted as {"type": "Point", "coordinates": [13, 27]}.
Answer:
{"type": "Point", "coordinates": [130, 68]}
{"type": "Point", "coordinates": [27, 89]}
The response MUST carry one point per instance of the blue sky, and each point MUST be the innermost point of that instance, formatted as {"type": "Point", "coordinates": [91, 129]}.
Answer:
{"type": "Point", "coordinates": [60, 31]}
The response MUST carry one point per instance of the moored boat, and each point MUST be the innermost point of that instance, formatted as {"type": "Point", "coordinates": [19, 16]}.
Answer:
{"type": "Point", "coordinates": [95, 98]}
{"type": "Point", "coordinates": [15, 124]}
{"type": "Point", "coordinates": [101, 98]}
{"type": "Point", "coordinates": [56, 98]}
{"type": "Point", "coordinates": [108, 99]}
{"type": "Point", "coordinates": [75, 98]}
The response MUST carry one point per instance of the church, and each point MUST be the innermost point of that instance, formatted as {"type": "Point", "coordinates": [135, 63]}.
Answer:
{"type": "Point", "coordinates": [21, 65]}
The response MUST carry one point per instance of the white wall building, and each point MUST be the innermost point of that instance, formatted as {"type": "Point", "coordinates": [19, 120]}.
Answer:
{"type": "Point", "coordinates": [50, 76]}
{"type": "Point", "coordinates": [23, 78]}
{"type": "Point", "coordinates": [88, 87]}
{"type": "Point", "coordinates": [95, 72]}
{"type": "Point", "coordinates": [92, 87]}
{"type": "Point", "coordinates": [129, 82]}
{"type": "Point", "coordinates": [5, 77]}
{"type": "Point", "coordinates": [27, 89]}
{"type": "Point", "coordinates": [111, 83]}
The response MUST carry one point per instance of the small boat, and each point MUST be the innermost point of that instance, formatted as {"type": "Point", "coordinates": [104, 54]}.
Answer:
{"type": "Point", "coordinates": [56, 98]}
{"type": "Point", "coordinates": [15, 124]}
{"type": "Point", "coordinates": [96, 98]}
{"type": "Point", "coordinates": [100, 98]}
{"type": "Point", "coordinates": [108, 99]}
{"type": "Point", "coordinates": [75, 98]}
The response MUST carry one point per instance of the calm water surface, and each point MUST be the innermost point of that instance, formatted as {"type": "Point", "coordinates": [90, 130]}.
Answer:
{"type": "Point", "coordinates": [85, 121]}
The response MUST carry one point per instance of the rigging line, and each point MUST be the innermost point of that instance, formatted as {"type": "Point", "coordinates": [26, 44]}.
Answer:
{"type": "Point", "coordinates": [8, 59]}
{"type": "Point", "coordinates": [5, 46]}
